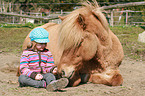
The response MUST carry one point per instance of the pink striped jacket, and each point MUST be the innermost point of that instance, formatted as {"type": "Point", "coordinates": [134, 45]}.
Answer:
{"type": "Point", "coordinates": [30, 66]}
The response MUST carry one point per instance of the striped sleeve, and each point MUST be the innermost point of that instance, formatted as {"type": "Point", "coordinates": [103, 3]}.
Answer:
{"type": "Point", "coordinates": [24, 68]}
{"type": "Point", "coordinates": [50, 62]}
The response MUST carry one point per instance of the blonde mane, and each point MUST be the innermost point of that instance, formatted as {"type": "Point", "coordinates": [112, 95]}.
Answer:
{"type": "Point", "coordinates": [70, 32]}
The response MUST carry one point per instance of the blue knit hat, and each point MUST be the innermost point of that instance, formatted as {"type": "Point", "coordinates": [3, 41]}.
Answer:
{"type": "Point", "coordinates": [39, 35]}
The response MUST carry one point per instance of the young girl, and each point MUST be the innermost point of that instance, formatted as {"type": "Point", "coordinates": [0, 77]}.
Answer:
{"type": "Point", "coordinates": [37, 65]}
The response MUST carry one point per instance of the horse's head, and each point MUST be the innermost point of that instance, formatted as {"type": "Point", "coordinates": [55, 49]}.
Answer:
{"type": "Point", "coordinates": [80, 34]}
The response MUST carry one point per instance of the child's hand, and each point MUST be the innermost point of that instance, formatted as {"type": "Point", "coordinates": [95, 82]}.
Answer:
{"type": "Point", "coordinates": [38, 77]}
{"type": "Point", "coordinates": [54, 71]}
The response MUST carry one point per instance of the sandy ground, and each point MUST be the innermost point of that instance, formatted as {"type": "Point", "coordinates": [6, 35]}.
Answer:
{"type": "Point", "coordinates": [133, 73]}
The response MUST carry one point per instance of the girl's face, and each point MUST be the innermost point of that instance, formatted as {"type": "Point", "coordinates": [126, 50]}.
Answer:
{"type": "Point", "coordinates": [40, 46]}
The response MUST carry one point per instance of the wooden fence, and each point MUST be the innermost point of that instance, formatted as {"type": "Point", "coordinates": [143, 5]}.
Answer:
{"type": "Point", "coordinates": [126, 17]}
{"type": "Point", "coordinates": [24, 17]}
{"type": "Point", "coordinates": [114, 17]}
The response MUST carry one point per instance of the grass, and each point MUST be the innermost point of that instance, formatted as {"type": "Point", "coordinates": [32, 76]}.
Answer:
{"type": "Point", "coordinates": [128, 37]}
{"type": "Point", "coordinates": [12, 37]}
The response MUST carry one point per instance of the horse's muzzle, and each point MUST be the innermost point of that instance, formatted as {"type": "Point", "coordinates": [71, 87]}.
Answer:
{"type": "Point", "coordinates": [67, 75]}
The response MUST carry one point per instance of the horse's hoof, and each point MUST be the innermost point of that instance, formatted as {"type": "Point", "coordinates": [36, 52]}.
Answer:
{"type": "Point", "coordinates": [116, 80]}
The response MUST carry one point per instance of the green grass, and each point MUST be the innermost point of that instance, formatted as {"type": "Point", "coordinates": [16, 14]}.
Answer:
{"type": "Point", "coordinates": [12, 37]}
{"type": "Point", "coordinates": [27, 25]}
{"type": "Point", "coordinates": [128, 37]}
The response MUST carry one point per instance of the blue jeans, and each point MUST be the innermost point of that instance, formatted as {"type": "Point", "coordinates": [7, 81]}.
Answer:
{"type": "Point", "coordinates": [27, 81]}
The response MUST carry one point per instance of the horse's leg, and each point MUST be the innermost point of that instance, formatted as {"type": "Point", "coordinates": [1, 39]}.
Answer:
{"type": "Point", "coordinates": [75, 80]}
{"type": "Point", "coordinates": [84, 77]}
{"type": "Point", "coordinates": [112, 78]}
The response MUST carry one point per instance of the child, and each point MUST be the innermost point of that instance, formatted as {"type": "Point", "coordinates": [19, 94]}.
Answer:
{"type": "Point", "coordinates": [37, 65]}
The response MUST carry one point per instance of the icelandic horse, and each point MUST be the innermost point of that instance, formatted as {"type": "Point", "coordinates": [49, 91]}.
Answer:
{"type": "Point", "coordinates": [84, 48]}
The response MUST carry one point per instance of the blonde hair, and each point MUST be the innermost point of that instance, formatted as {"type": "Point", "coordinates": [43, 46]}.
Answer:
{"type": "Point", "coordinates": [70, 31]}
{"type": "Point", "coordinates": [31, 45]}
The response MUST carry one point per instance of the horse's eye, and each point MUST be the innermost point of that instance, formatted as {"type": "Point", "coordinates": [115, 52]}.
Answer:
{"type": "Point", "coordinates": [78, 56]}
{"type": "Point", "coordinates": [81, 41]}
{"type": "Point", "coordinates": [96, 16]}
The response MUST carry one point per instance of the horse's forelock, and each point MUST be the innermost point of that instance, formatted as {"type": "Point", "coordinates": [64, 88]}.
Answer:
{"type": "Point", "coordinates": [96, 10]}
{"type": "Point", "coordinates": [70, 33]}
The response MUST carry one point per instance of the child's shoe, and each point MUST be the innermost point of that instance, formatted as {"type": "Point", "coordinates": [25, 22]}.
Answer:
{"type": "Point", "coordinates": [57, 84]}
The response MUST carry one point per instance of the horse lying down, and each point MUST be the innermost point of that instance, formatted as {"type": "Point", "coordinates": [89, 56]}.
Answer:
{"type": "Point", "coordinates": [84, 48]}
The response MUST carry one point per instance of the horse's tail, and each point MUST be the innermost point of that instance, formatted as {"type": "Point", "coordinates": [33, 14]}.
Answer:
{"type": "Point", "coordinates": [18, 71]}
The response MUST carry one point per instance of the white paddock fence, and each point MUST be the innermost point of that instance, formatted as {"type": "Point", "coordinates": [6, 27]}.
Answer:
{"type": "Point", "coordinates": [115, 18]}
{"type": "Point", "coordinates": [25, 17]}
{"type": "Point", "coordinates": [126, 17]}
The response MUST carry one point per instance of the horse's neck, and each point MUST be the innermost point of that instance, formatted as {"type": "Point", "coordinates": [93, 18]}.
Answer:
{"type": "Point", "coordinates": [53, 44]}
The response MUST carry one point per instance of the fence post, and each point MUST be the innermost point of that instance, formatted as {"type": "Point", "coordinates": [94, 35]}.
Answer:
{"type": "Point", "coordinates": [21, 19]}
{"type": "Point", "coordinates": [111, 21]}
{"type": "Point", "coordinates": [41, 19]}
{"type": "Point", "coordinates": [13, 19]}
{"type": "Point", "coordinates": [9, 7]}
{"type": "Point", "coordinates": [126, 17]}
{"type": "Point", "coordinates": [0, 6]}
{"type": "Point", "coordinates": [3, 6]}
{"type": "Point", "coordinates": [61, 11]}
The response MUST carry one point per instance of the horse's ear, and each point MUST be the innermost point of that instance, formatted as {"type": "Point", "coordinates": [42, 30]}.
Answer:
{"type": "Point", "coordinates": [81, 21]}
{"type": "Point", "coordinates": [62, 17]}
{"type": "Point", "coordinates": [99, 15]}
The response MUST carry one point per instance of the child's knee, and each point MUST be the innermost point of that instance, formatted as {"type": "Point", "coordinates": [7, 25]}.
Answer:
{"type": "Point", "coordinates": [49, 75]}
{"type": "Point", "coordinates": [22, 78]}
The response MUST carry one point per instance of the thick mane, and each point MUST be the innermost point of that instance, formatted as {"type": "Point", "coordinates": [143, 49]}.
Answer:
{"type": "Point", "coordinates": [70, 31]}
{"type": "Point", "coordinates": [94, 7]}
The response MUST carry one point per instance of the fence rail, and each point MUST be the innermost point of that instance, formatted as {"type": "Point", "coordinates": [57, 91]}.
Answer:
{"type": "Point", "coordinates": [126, 17]}
{"type": "Point", "coordinates": [28, 16]}
{"type": "Point", "coordinates": [115, 18]}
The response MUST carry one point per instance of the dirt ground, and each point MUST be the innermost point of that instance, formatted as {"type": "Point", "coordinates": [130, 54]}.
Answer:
{"type": "Point", "coordinates": [133, 73]}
